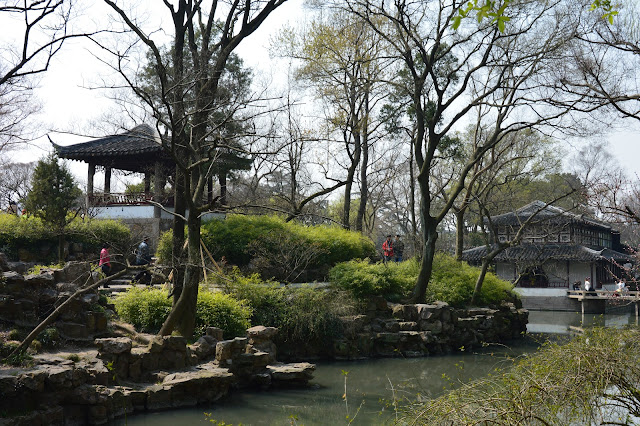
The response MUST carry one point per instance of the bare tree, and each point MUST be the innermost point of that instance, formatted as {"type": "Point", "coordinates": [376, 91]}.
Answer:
{"type": "Point", "coordinates": [205, 35]}
{"type": "Point", "coordinates": [40, 29]}
{"type": "Point", "coordinates": [15, 182]}
{"type": "Point", "coordinates": [450, 72]}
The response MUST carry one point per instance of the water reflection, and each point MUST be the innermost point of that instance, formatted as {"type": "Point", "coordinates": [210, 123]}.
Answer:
{"type": "Point", "coordinates": [554, 322]}
{"type": "Point", "coordinates": [373, 384]}
{"type": "Point", "coordinates": [371, 387]}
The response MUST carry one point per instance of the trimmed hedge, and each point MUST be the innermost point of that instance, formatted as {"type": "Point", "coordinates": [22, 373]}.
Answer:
{"type": "Point", "coordinates": [451, 281]}
{"type": "Point", "coordinates": [238, 237]}
{"type": "Point", "coordinates": [29, 231]}
{"type": "Point", "coordinates": [147, 308]}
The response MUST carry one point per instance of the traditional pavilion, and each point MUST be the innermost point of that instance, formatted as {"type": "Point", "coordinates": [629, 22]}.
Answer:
{"type": "Point", "coordinates": [139, 150]}
{"type": "Point", "coordinates": [559, 248]}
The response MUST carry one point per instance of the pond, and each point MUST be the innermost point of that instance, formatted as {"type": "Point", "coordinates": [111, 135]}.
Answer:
{"type": "Point", "coordinates": [372, 385]}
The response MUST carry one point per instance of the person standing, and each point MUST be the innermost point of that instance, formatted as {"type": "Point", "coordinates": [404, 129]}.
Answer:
{"type": "Point", "coordinates": [398, 248]}
{"type": "Point", "coordinates": [105, 261]}
{"type": "Point", "coordinates": [143, 258]}
{"type": "Point", "coordinates": [387, 249]}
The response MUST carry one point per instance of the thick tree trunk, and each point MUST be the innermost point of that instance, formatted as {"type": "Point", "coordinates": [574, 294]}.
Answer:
{"type": "Point", "coordinates": [182, 316]}
{"type": "Point", "coordinates": [430, 236]}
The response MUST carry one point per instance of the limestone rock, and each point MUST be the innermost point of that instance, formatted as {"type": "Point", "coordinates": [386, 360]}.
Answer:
{"type": "Point", "coordinates": [298, 372]}
{"type": "Point", "coordinates": [114, 345]}
{"type": "Point", "coordinates": [261, 333]}
{"type": "Point", "coordinates": [215, 332]}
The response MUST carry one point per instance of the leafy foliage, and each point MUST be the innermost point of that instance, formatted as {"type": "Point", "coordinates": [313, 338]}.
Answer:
{"type": "Point", "coordinates": [29, 231]}
{"type": "Point", "coordinates": [242, 239]}
{"type": "Point", "coordinates": [147, 309]}
{"type": "Point", "coordinates": [53, 192]}
{"type": "Point", "coordinates": [590, 380]}
{"type": "Point", "coordinates": [451, 281]}
{"type": "Point", "coordinates": [304, 316]}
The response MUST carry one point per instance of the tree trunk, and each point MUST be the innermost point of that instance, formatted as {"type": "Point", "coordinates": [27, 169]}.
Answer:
{"type": "Point", "coordinates": [459, 233]}
{"type": "Point", "coordinates": [177, 249]}
{"type": "Point", "coordinates": [483, 271]}
{"type": "Point", "coordinates": [430, 236]}
{"type": "Point", "coordinates": [222, 180]}
{"type": "Point", "coordinates": [182, 316]}
{"type": "Point", "coordinates": [61, 246]}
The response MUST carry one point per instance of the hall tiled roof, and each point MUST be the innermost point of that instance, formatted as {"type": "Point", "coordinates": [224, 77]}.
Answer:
{"type": "Point", "coordinates": [544, 213]}
{"type": "Point", "coordinates": [541, 252]}
{"type": "Point", "coordinates": [142, 139]}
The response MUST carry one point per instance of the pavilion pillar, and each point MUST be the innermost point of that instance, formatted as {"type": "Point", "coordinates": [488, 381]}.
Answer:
{"type": "Point", "coordinates": [90, 175]}
{"type": "Point", "coordinates": [107, 180]}
{"type": "Point", "coordinates": [210, 189]}
{"type": "Point", "coordinates": [147, 182]}
{"type": "Point", "coordinates": [158, 186]}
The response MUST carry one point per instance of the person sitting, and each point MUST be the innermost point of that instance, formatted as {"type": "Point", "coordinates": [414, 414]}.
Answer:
{"type": "Point", "coordinates": [143, 258]}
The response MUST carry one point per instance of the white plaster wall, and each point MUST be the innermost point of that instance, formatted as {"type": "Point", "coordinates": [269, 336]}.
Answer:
{"type": "Point", "coordinates": [578, 271]}
{"type": "Point", "coordinates": [140, 212]}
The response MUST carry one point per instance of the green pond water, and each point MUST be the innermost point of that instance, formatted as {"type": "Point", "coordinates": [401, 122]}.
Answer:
{"type": "Point", "coordinates": [371, 385]}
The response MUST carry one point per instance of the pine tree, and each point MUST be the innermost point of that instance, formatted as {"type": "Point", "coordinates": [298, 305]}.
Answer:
{"type": "Point", "coordinates": [53, 194]}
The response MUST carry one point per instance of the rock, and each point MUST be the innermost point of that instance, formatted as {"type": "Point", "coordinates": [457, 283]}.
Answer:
{"type": "Point", "coordinates": [298, 372]}
{"type": "Point", "coordinates": [59, 377]}
{"type": "Point", "coordinates": [114, 345]}
{"type": "Point", "coordinates": [77, 272]}
{"type": "Point", "coordinates": [215, 332]}
{"type": "Point", "coordinates": [12, 277]}
{"type": "Point", "coordinates": [43, 279]}
{"type": "Point", "coordinates": [261, 333]}
{"type": "Point", "coordinates": [176, 343]}
{"type": "Point", "coordinates": [4, 262]}
{"type": "Point", "coordinates": [408, 326]}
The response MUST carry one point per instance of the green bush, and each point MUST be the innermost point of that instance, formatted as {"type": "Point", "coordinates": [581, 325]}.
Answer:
{"type": "Point", "coordinates": [454, 282]}
{"type": "Point", "coordinates": [29, 231]}
{"type": "Point", "coordinates": [223, 311]}
{"type": "Point", "coordinates": [147, 309]}
{"type": "Point", "coordinates": [451, 281]}
{"type": "Point", "coordinates": [362, 278]}
{"type": "Point", "coordinates": [269, 239]}
{"type": "Point", "coordinates": [304, 316]}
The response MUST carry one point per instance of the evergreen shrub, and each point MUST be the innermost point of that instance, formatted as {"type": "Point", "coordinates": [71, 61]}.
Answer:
{"type": "Point", "coordinates": [29, 231]}
{"type": "Point", "coordinates": [147, 308]}
{"type": "Point", "coordinates": [451, 281]}
{"type": "Point", "coordinates": [304, 316]}
{"type": "Point", "coordinates": [239, 237]}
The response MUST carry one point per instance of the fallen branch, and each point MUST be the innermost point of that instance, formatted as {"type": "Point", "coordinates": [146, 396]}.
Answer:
{"type": "Point", "coordinates": [27, 341]}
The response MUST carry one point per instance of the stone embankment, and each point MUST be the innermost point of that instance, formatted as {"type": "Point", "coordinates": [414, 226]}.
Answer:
{"type": "Point", "coordinates": [26, 299]}
{"type": "Point", "coordinates": [120, 379]}
{"type": "Point", "coordinates": [397, 330]}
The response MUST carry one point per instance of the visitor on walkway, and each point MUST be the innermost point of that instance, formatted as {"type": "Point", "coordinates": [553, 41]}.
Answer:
{"type": "Point", "coordinates": [143, 258]}
{"type": "Point", "coordinates": [105, 261]}
{"type": "Point", "coordinates": [398, 248]}
{"type": "Point", "coordinates": [588, 287]}
{"type": "Point", "coordinates": [387, 249]}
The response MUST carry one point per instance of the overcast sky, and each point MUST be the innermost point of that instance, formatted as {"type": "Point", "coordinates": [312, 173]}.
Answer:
{"type": "Point", "coordinates": [70, 104]}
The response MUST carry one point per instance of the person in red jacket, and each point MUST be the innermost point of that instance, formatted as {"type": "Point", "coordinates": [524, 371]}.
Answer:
{"type": "Point", "coordinates": [105, 261]}
{"type": "Point", "coordinates": [387, 249]}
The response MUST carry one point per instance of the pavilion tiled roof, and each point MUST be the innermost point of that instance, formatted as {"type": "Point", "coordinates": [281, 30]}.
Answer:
{"type": "Point", "coordinates": [142, 139]}
{"type": "Point", "coordinates": [541, 252]}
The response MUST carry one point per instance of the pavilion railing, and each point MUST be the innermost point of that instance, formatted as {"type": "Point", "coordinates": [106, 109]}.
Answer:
{"type": "Point", "coordinates": [121, 199]}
